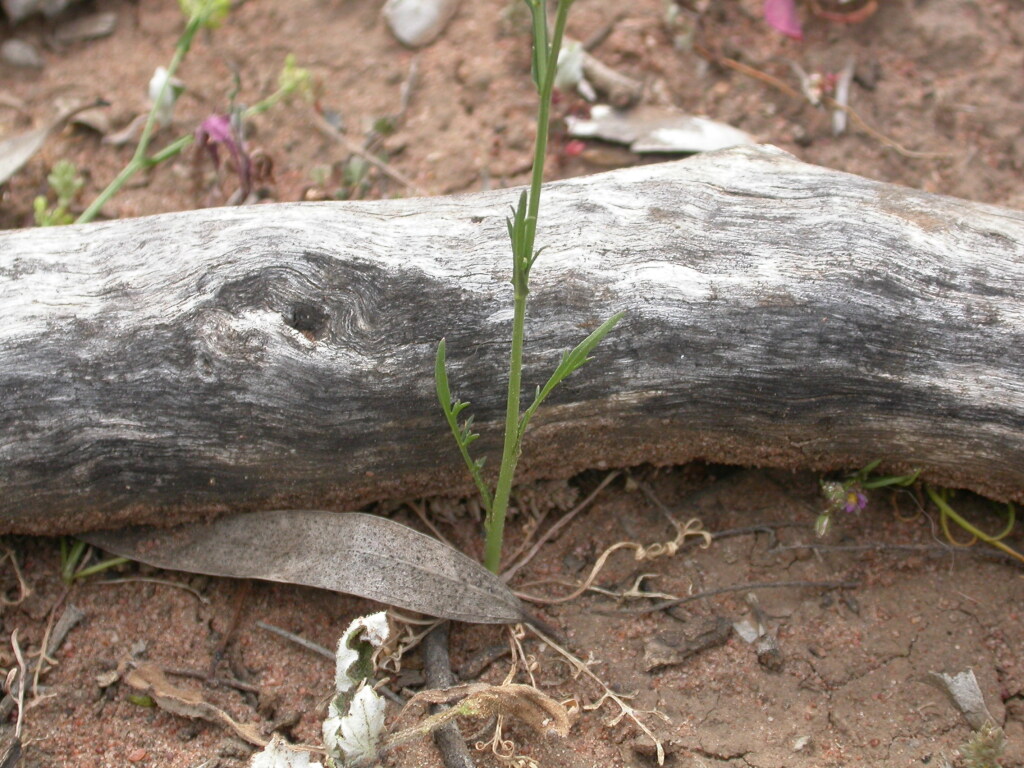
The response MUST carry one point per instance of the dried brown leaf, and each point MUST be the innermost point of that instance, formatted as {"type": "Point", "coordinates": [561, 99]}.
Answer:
{"type": "Point", "coordinates": [359, 554]}
{"type": "Point", "coordinates": [151, 681]}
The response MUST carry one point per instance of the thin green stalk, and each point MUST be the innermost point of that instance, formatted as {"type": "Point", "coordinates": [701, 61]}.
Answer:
{"type": "Point", "coordinates": [543, 118]}
{"type": "Point", "coordinates": [522, 230]}
{"type": "Point", "coordinates": [139, 159]}
{"type": "Point", "coordinates": [948, 512]}
{"type": "Point", "coordinates": [495, 523]}
{"type": "Point", "coordinates": [112, 562]}
{"type": "Point", "coordinates": [523, 258]}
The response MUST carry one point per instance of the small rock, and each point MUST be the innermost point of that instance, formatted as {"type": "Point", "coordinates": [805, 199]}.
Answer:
{"type": "Point", "coordinates": [234, 748]}
{"type": "Point", "coordinates": [769, 655]}
{"type": "Point", "coordinates": [670, 648]}
{"type": "Point", "coordinates": [137, 755]}
{"type": "Point", "coordinates": [21, 53]}
{"type": "Point", "coordinates": [644, 746]}
{"type": "Point", "coordinates": [97, 119]}
{"type": "Point", "coordinates": [802, 139]}
{"type": "Point", "coordinates": [19, 9]}
{"type": "Point", "coordinates": [656, 129]}
{"type": "Point", "coordinates": [418, 22]}
{"type": "Point", "coordinates": [108, 678]}
{"type": "Point", "coordinates": [868, 75]}
{"type": "Point", "coordinates": [91, 27]}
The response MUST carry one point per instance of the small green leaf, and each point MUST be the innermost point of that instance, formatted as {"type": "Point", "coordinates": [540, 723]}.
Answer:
{"type": "Point", "coordinates": [869, 468]}
{"type": "Point", "coordinates": [541, 44]}
{"type": "Point", "coordinates": [891, 480]}
{"type": "Point", "coordinates": [462, 434]}
{"type": "Point", "coordinates": [209, 13]}
{"type": "Point", "coordinates": [571, 361]}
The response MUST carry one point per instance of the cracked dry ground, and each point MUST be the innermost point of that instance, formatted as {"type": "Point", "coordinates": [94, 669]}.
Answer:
{"type": "Point", "coordinates": [845, 688]}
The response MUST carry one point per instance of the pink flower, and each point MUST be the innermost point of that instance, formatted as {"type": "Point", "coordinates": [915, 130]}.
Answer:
{"type": "Point", "coordinates": [782, 15]}
{"type": "Point", "coordinates": [574, 148]}
{"type": "Point", "coordinates": [221, 130]}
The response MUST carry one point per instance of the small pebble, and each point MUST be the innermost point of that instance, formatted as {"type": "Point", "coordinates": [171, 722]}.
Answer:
{"type": "Point", "coordinates": [90, 27]}
{"type": "Point", "coordinates": [21, 53]}
{"type": "Point", "coordinates": [418, 22]}
{"type": "Point", "coordinates": [644, 746]}
{"type": "Point", "coordinates": [137, 755]}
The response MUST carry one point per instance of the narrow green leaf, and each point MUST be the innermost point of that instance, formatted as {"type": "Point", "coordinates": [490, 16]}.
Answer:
{"type": "Point", "coordinates": [444, 394]}
{"type": "Point", "coordinates": [571, 361]}
{"type": "Point", "coordinates": [890, 480]}
{"type": "Point", "coordinates": [462, 434]}
{"type": "Point", "coordinates": [541, 45]}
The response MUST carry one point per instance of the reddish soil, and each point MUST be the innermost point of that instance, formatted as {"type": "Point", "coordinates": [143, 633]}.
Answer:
{"type": "Point", "coordinates": [934, 76]}
{"type": "Point", "coordinates": [846, 686]}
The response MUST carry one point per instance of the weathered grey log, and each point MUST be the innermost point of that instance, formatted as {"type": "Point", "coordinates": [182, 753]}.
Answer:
{"type": "Point", "coordinates": [168, 368]}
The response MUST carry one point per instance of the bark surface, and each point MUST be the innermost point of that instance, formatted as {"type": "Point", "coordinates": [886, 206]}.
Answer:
{"type": "Point", "coordinates": [170, 368]}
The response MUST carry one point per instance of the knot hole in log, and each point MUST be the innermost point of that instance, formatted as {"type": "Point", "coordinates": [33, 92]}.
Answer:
{"type": "Point", "coordinates": [308, 319]}
{"type": "Point", "coordinates": [366, 308]}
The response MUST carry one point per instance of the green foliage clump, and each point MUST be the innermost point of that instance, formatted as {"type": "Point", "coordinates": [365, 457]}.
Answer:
{"type": "Point", "coordinates": [66, 182]}
{"type": "Point", "coordinates": [985, 747]}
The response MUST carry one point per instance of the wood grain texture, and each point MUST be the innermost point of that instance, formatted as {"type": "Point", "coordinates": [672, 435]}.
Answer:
{"type": "Point", "coordinates": [170, 368]}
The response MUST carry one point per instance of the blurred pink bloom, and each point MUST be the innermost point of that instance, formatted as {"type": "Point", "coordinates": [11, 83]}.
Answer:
{"type": "Point", "coordinates": [782, 15]}
{"type": "Point", "coordinates": [221, 130]}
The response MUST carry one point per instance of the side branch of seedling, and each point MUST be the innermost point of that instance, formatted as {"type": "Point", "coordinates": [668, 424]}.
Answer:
{"type": "Point", "coordinates": [196, 21]}
{"type": "Point", "coordinates": [200, 14]}
{"type": "Point", "coordinates": [522, 230]}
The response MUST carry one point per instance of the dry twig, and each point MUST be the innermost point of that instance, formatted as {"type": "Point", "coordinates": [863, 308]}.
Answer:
{"type": "Point", "coordinates": [736, 588]}
{"type": "Point", "coordinates": [693, 528]}
{"type": "Point", "coordinates": [438, 672]}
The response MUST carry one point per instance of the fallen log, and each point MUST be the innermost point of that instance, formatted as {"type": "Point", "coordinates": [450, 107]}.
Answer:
{"type": "Point", "coordinates": [169, 368]}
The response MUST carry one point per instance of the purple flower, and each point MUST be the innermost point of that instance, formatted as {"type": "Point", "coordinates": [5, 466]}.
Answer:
{"type": "Point", "coordinates": [855, 500]}
{"type": "Point", "coordinates": [219, 130]}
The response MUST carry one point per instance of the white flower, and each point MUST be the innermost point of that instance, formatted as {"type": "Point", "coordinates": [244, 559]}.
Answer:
{"type": "Point", "coordinates": [164, 97]}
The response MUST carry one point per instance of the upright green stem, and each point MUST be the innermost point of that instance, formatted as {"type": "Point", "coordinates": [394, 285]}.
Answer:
{"type": "Point", "coordinates": [543, 117]}
{"type": "Point", "coordinates": [522, 261]}
{"type": "Point", "coordinates": [510, 452]}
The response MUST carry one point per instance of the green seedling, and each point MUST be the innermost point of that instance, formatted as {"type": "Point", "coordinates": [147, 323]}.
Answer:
{"type": "Point", "coordinates": [72, 552]}
{"type": "Point", "coordinates": [522, 230]}
{"type": "Point", "coordinates": [200, 14]}
{"type": "Point", "coordinates": [66, 182]}
{"type": "Point", "coordinates": [985, 747]}
{"type": "Point", "coordinates": [850, 495]}
{"type": "Point", "coordinates": [355, 178]}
